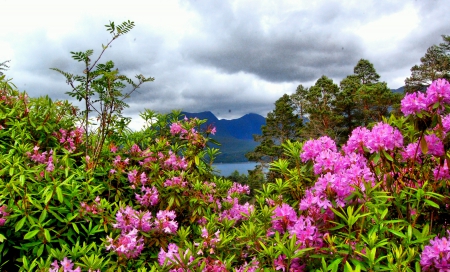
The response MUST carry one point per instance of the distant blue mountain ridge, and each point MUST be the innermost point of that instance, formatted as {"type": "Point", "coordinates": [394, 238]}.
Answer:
{"type": "Point", "coordinates": [235, 136]}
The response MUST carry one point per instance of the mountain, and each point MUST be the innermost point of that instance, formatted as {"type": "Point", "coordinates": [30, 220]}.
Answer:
{"type": "Point", "coordinates": [235, 136]}
{"type": "Point", "coordinates": [400, 90]}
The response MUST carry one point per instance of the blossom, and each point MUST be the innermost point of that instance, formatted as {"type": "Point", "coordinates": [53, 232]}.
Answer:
{"type": "Point", "coordinates": [383, 137]}
{"type": "Point", "coordinates": [129, 244]}
{"type": "Point", "coordinates": [356, 140]}
{"type": "Point", "coordinates": [150, 197]}
{"type": "Point", "coordinates": [237, 211]}
{"type": "Point", "coordinates": [175, 181]}
{"type": "Point", "coordinates": [413, 103]}
{"type": "Point", "coordinates": [283, 217]}
{"type": "Point", "coordinates": [238, 188]}
{"type": "Point", "coordinates": [165, 221]}
{"type": "Point", "coordinates": [172, 257]}
{"type": "Point", "coordinates": [128, 219]}
{"type": "Point", "coordinates": [446, 123]}
{"type": "Point", "coordinates": [441, 172]}
{"type": "Point", "coordinates": [436, 255]}
{"type": "Point", "coordinates": [3, 214]}
{"type": "Point", "coordinates": [438, 91]}
{"type": "Point", "coordinates": [66, 265]}
{"type": "Point", "coordinates": [312, 148]}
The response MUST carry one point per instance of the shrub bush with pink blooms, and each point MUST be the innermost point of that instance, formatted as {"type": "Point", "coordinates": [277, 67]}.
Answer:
{"type": "Point", "coordinates": [150, 201]}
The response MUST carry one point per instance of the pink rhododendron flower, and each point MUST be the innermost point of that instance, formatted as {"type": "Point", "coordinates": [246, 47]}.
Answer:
{"type": "Point", "coordinates": [128, 244]}
{"type": "Point", "coordinates": [150, 197]}
{"type": "Point", "coordinates": [356, 140]}
{"type": "Point", "coordinates": [437, 92]}
{"type": "Point", "coordinates": [165, 221]}
{"type": "Point", "coordinates": [66, 266]}
{"type": "Point", "coordinates": [441, 172]}
{"type": "Point", "coordinates": [436, 256]}
{"type": "Point", "coordinates": [312, 148]}
{"type": "Point", "coordinates": [283, 218]}
{"type": "Point", "coordinates": [384, 137]}
{"type": "Point", "coordinates": [3, 214]}
{"type": "Point", "coordinates": [413, 103]}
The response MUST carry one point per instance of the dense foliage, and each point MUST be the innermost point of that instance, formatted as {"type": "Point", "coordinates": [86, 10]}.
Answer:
{"type": "Point", "coordinates": [151, 203]}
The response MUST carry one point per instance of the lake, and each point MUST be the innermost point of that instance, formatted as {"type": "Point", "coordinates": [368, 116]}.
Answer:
{"type": "Point", "coordinates": [227, 168]}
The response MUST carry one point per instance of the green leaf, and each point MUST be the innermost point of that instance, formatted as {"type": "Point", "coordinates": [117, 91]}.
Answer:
{"type": "Point", "coordinates": [397, 233]}
{"type": "Point", "coordinates": [431, 203]}
{"type": "Point", "coordinates": [40, 250]}
{"type": "Point", "coordinates": [47, 235]}
{"type": "Point", "coordinates": [59, 194]}
{"type": "Point", "coordinates": [43, 216]}
{"type": "Point", "coordinates": [197, 160]}
{"type": "Point", "coordinates": [19, 224]}
{"type": "Point", "coordinates": [2, 238]}
{"type": "Point", "coordinates": [31, 234]}
{"type": "Point", "coordinates": [74, 226]}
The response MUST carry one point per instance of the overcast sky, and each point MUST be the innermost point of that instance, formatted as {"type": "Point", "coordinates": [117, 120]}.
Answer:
{"type": "Point", "coordinates": [228, 57]}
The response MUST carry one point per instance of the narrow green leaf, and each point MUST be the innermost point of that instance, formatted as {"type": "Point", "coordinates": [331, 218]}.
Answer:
{"type": "Point", "coordinates": [431, 203]}
{"type": "Point", "coordinates": [75, 228]}
{"type": "Point", "coordinates": [31, 234]}
{"type": "Point", "coordinates": [40, 250]}
{"type": "Point", "coordinates": [397, 233]}
{"type": "Point", "coordinates": [43, 216]}
{"type": "Point", "coordinates": [19, 224]}
{"type": "Point", "coordinates": [59, 194]}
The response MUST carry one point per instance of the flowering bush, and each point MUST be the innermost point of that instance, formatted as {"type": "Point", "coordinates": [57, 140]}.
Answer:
{"type": "Point", "coordinates": [150, 202]}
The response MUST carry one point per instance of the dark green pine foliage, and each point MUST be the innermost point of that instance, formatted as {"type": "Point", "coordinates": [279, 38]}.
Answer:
{"type": "Point", "coordinates": [347, 107]}
{"type": "Point", "coordinates": [282, 124]}
{"type": "Point", "coordinates": [321, 99]}
{"type": "Point", "coordinates": [433, 65]}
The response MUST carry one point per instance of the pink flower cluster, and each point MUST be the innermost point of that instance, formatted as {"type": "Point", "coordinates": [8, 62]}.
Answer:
{"type": "Point", "coordinates": [209, 241]}
{"type": "Point", "coordinates": [150, 197]}
{"type": "Point", "coordinates": [70, 139]}
{"type": "Point", "coordinates": [436, 256]}
{"type": "Point", "coordinates": [134, 178]}
{"type": "Point", "coordinates": [437, 92]}
{"type": "Point", "coordinates": [434, 144]}
{"type": "Point", "coordinates": [175, 181]}
{"type": "Point", "coordinates": [312, 148]}
{"type": "Point", "coordinates": [42, 158]}
{"type": "Point", "coordinates": [176, 128]}
{"type": "Point", "coordinates": [172, 257]}
{"type": "Point", "coordinates": [441, 172]}
{"type": "Point", "coordinates": [173, 162]}
{"type": "Point", "coordinates": [128, 219]}
{"type": "Point", "coordinates": [129, 244]}
{"type": "Point", "coordinates": [238, 188]}
{"type": "Point", "coordinates": [66, 265]}
{"type": "Point", "coordinates": [93, 208]}
{"type": "Point", "coordinates": [130, 222]}
{"type": "Point", "coordinates": [3, 215]}
{"type": "Point", "coordinates": [381, 137]}
{"type": "Point", "coordinates": [237, 212]}
{"type": "Point", "coordinates": [165, 222]}
{"type": "Point", "coordinates": [339, 174]}
{"type": "Point", "coordinates": [281, 263]}
{"type": "Point", "coordinates": [285, 219]}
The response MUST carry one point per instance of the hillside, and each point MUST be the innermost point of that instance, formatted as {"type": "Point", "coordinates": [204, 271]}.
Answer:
{"type": "Point", "coordinates": [235, 136]}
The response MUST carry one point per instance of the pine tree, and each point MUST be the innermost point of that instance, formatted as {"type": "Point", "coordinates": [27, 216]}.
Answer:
{"type": "Point", "coordinates": [282, 124]}
{"type": "Point", "coordinates": [321, 99]}
{"type": "Point", "coordinates": [434, 64]}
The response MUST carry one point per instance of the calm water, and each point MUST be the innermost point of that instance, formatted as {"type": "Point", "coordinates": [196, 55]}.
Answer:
{"type": "Point", "coordinates": [227, 168]}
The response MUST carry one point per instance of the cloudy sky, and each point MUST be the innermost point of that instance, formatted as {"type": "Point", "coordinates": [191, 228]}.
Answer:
{"type": "Point", "coordinates": [230, 57]}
